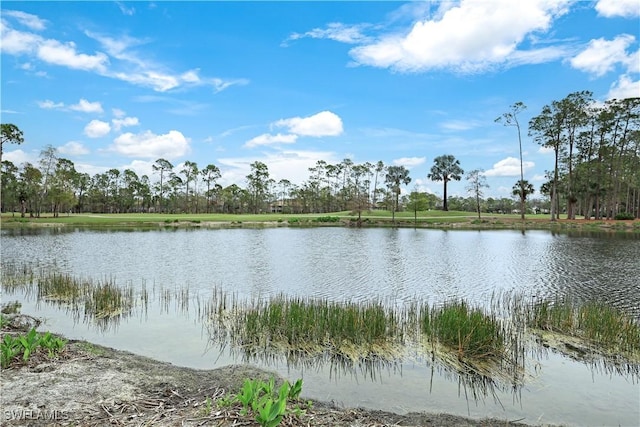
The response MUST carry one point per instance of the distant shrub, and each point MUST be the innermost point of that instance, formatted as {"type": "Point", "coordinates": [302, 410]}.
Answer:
{"type": "Point", "coordinates": [327, 219]}
{"type": "Point", "coordinates": [480, 221]}
{"type": "Point", "coordinates": [293, 221]}
{"type": "Point", "coordinates": [625, 216]}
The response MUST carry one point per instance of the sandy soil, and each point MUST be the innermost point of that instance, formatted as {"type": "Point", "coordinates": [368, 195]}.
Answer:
{"type": "Point", "coordinates": [91, 385]}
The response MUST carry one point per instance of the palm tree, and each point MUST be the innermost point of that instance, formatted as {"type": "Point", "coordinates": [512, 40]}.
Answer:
{"type": "Point", "coordinates": [379, 169]}
{"type": "Point", "coordinates": [522, 189]}
{"type": "Point", "coordinates": [396, 175]}
{"type": "Point", "coordinates": [445, 168]}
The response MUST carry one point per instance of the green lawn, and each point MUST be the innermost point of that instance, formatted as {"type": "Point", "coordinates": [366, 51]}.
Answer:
{"type": "Point", "coordinates": [155, 218]}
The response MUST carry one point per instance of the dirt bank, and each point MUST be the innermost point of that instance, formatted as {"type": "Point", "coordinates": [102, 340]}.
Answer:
{"type": "Point", "coordinates": [91, 385]}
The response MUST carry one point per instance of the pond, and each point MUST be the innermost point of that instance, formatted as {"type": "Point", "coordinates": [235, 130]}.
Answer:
{"type": "Point", "coordinates": [395, 266]}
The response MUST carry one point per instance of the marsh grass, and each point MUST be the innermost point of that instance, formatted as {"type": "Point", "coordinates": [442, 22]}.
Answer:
{"type": "Point", "coordinates": [482, 350]}
{"type": "Point", "coordinates": [468, 331]}
{"type": "Point", "coordinates": [61, 287]}
{"type": "Point", "coordinates": [485, 343]}
{"type": "Point", "coordinates": [103, 302]}
{"type": "Point", "coordinates": [595, 322]}
{"type": "Point", "coordinates": [355, 331]}
{"type": "Point", "coordinates": [107, 300]}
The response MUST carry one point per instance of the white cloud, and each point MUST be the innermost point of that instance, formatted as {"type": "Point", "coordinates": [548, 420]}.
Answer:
{"type": "Point", "coordinates": [625, 87]}
{"type": "Point", "coordinates": [97, 129]}
{"type": "Point", "coordinates": [472, 36]}
{"type": "Point", "coordinates": [161, 81]}
{"type": "Point", "coordinates": [157, 81]}
{"type": "Point", "coordinates": [324, 123]}
{"type": "Point", "coordinates": [286, 164]}
{"type": "Point", "coordinates": [460, 125]}
{"type": "Point", "coordinates": [73, 148]}
{"type": "Point", "coordinates": [151, 146]}
{"type": "Point", "coordinates": [129, 11]}
{"type": "Point", "coordinates": [83, 106]}
{"type": "Point", "coordinates": [509, 167]}
{"type": "Point", "coordinates": [423, 185]}
{"type": "Point", "coordinates": [545, 150]}
{"type": "Point", "coordinates": [538, 56]}
{"type": "Point", "coordinates": [409, 162]}
{"type": "Point", "coordinates": [26, 19]}
{"type": "Point", "coordinates": [89, 169]}
{"type": "Point", "coordinates": [118, 48]}
{"type": "Point", "coordinates": [142, 167]}
{"type": "Point", "coordinates": [633, 62]}
{"type": "Point", "coordinates": [139, 71]}
{"type": "Point", "coordinates": [220, 84]}
{"type": "Point", "coordinates": [602, 55]}
{"type": "Point", "coordinates": [502, 190]}
{"type": "Point", "coordinates": [18, 157]}
{"type": "Point", "coordinates": [17, 42]}
{"type": "Point", "coordinates": [118, 113]}
{"type": "Point", "coordinates": [55, 52]}
{"type": "Point", "coordinates": [335, 31]}
{"type": "Point", "coordinates": [124, 122]}
{"type": "Point", "coordinates": [50, 105]}
{"type": "Point", "coordinates": [190, 76]}
{"type": "Point", "coordinates": [119, 62]}
{"type": "Point", "coordinates": [87, 107]}
{"type": "Point", "coordinates": [269, 139]}
{"type": "Point", "coordinates": [624, 8]}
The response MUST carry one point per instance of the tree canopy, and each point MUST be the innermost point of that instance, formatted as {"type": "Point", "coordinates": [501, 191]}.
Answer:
{"type": "Point", "coordinates": [596, 173]}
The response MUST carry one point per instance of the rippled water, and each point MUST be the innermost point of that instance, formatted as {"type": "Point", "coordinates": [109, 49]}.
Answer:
{"type": "Point", "coordinates": [393, 265]}
{"type": "Point", "coordinates": [357, 264]}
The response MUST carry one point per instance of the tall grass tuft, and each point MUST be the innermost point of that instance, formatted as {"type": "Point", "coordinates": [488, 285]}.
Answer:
{"type": "Point", "coordinates": [61, 287]}
{"type": "Point", "coordinates": [312, 327]}
{"type": "Point", "coordinates": [468, 331]}
{"type": "Point", "coordinates": [596, 322]}
{"type": "Point", "coordinates": [107, 300]}
{"type": "Point", "coordinates": [102, 302]}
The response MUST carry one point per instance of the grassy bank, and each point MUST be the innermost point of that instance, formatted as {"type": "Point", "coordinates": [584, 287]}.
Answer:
{"type": "Point", "coordinates": [425, 219]}
{"type": "Point", "coordinates": [483, 345]}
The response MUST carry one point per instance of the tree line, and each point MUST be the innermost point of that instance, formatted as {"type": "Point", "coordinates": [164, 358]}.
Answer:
{"type": "Point", "coordinates": [596, 173]}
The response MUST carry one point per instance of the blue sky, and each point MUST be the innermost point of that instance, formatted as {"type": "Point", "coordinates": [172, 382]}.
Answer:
{"type": "Point", "coordinates": [121, 84]}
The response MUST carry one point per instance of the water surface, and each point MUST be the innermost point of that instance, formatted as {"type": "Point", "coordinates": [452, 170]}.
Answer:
{"type": "Point", "coordinates": [393, 265]}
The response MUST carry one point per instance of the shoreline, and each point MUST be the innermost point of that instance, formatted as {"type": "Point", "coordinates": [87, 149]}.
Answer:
{"type": "Point", "coordinates": [91, 384]}
{"type": "Point", "coordinates": [180, 221]}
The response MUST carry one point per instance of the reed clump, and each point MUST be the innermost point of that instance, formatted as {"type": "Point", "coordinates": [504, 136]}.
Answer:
{"type": "Point", "coordinates": [101, 301]}
{"type": "Point", "coordinates": [470, 332]}
{"type": "Point", "coordinates": [107, 300]}
{"type": "Point", "coordinates": [14, 276]}
{"type": "Point", "coordinates": [61, 287]}
{"type": "Point", "coordinates": [595, 322]}
{"type": "Point", "coordinates": [312, 327]}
